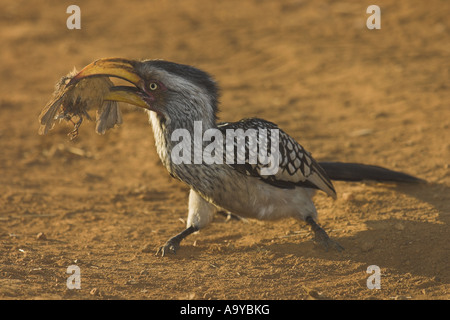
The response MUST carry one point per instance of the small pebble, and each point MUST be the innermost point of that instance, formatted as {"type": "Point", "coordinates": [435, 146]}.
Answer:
{"type": "Point", "coordinates": [348, 196]}
{"type": "Point", "coordinates": [361, 132]}
{"type": "Point", "coordinates": [41, 236]}
{"type": "Point", "coordinates": [94, 292]}
{"type": "Point", "coordinates": [147, 248]}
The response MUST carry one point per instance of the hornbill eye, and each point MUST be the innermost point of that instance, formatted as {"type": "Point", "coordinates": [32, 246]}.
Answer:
{"type": "Point", "coordinates": [153, 86]}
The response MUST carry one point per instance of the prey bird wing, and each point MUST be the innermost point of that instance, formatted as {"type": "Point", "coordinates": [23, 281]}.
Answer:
{"type": "Point", "coordinates": [108, 116]}
{"type": "Point", "coordinates": [75, 100]}
{"type": "Point", "coordinates": [52, 108]}
{"type": "Point", "coordinates": [296, 166]}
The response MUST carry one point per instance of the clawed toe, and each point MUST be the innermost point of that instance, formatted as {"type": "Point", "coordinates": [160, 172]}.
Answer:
{"type": "Point", "coordinates": [169, 246]}
{"type": "Point", "coordinates": [173, 243]}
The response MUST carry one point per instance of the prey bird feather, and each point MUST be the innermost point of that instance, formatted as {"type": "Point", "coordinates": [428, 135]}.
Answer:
{"type": "Point", "coordinates": [177, 96]}
{"type": "Point", "coordinates": [74, 101]}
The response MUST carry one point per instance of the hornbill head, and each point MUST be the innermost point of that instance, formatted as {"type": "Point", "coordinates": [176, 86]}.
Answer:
{"type": "Point", "coordinates": [174, 91]}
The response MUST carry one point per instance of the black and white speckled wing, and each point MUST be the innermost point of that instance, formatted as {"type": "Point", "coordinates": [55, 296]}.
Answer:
{"type": "Point", "coordinates": [296, 165]}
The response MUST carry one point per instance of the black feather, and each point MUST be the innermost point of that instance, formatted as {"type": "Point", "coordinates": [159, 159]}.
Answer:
{"type": "Point", "coordinates": [359, 172]}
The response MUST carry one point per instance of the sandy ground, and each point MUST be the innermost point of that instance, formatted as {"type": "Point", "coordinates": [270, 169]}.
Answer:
{"type": "Point", "coordinates": [105, 203]}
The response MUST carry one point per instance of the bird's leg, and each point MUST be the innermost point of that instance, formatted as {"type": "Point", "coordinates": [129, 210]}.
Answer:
{"type": "Point", "coordinates": [76, 125]}
{"type": "Point", "coordinates": [321, 236]}
{"type": "Point", "coordinates": [200, 214]}
{"type": "Point", "coordinates": [229, 216]}
{"type": "Point", "coordinates": [174, 243]}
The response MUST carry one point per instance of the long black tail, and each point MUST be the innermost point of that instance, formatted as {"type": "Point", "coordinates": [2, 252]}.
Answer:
{"type": "Point", "coordinates": [358, 172]}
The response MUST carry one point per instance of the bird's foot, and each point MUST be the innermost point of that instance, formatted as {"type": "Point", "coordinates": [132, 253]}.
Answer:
{"type": "Point", "coordinates": [171, 246]}
{"type": "Point", "coordinates": [76, 126]}
{"type": "Point", "coordinates": [173, 243]}
{"type": "Point", "coordinates": [321, 237]}
{"type": "Point", "coordinates": [230, 216]}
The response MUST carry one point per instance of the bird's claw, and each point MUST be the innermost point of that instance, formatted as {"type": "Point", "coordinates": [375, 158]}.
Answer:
{"type": "Point", "coordinates": [322, 238]}
{"type": "Point", "coordinates": [173, 243]}
{"type": "Point", "coordinates": [170, 246]}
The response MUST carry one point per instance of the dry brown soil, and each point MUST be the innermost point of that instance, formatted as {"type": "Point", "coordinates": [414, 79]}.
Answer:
{"type": "Point", "coordinates": [105, 203]}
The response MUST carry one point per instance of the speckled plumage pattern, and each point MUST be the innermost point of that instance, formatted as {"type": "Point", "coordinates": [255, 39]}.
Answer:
{"type": "Point", "coordinates": [257, 170]}
{"type": "Point", "coordinates": [191, 96]}
{"type": "Point", "coordinates": [297, 168]}
{"type": "Point", "coordinates": [238, 188]}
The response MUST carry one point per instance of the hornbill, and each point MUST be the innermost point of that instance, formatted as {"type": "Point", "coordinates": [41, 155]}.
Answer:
{"type": "Point", "coordinates": [178, 96]}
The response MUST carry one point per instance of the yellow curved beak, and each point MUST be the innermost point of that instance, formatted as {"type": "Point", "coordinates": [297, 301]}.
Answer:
{"type": "Point", "coordinates": [126, 94]}
{"type": "Point", "coordinates": [120, 68]}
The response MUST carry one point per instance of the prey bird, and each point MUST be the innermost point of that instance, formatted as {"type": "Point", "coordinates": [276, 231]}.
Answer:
{"type": "Point", "coordinates": [178, 96]}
